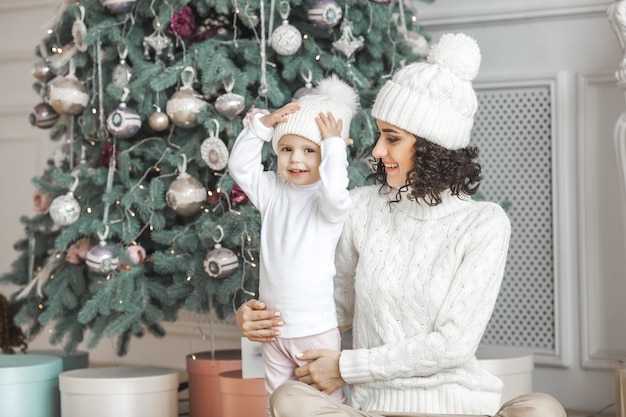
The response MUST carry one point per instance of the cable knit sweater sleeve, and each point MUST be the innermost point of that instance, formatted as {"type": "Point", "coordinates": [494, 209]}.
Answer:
{"type": "Point", "coordinates": [425, 291]}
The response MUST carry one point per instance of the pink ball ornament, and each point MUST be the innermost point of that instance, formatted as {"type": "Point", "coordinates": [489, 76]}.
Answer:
{"type": "Point", "coordinates": [136, 254]}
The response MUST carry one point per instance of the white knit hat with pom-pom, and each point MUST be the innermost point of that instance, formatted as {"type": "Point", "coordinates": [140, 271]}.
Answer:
{"type": "Point", "coordinates": [435, 99]}
{"type": "Point", "coordinates": [330, 95]}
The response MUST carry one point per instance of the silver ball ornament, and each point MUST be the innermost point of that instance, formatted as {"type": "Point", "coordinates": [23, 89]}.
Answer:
{"type": "Point", "coordinates": [183, 108]}
{"type": "Point", "coordinates": [123, 122]}
{"type": "Point", "coordinates": [42, 71]}
{"type": "Point", "coordinates": [68, 96]}
{"type": "Point", "coordinates": [220, 262]}
{"type": "Point", "coordinates": [159, 121]}
{"type": "Point", "coordinates": [230, 105]}
{"type": "Point", "coordinates": [118, 6]}
{"type": "Point", "coordinates": [186, 195]}
{"type": "Point", "coordinates": [325, 13]}
{"type": "Point", "coordinates": [64, 210]}
{"type": "Point", "coordinates": [43, 116]}
{"type": "Point", "coordinates": [102, 258]}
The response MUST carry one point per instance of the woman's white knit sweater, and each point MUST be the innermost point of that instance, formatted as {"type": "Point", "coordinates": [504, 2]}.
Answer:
{"type": "Point", "coordinates": [418, 285]}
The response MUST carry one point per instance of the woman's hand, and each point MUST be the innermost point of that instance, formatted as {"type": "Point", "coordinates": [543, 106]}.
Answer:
{"type": "Point", "coordinates": [257, 323]}
{"type": "Point", "coordinates": [323, 372]}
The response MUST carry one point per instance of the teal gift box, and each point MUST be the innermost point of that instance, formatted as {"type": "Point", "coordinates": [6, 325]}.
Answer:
{"type": "Point", "coordinates": [29, 385]}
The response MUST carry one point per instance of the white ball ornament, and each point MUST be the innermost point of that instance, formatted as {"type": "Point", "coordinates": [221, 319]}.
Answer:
{"type": "Point", "coordinates": [64, 210]}
{"type": "Point", "coordinates": [186, 195]}
{"type": "Point", "coordinates": [184, 105]}
{"type": "Point", "coordinates": [214, 151]}
{"type": "Point", "coordinates": [68, 96]}
{"type": "Point", "coordinates": [286, 39]}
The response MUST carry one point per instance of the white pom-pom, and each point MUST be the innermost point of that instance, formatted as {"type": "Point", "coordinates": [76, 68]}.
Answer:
{"type": "Point", "coordinates": [457, 52]}
{"type": "Point", "coordinates": [339, 91]}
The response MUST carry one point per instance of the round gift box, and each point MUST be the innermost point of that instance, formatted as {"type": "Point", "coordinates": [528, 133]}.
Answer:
{"type": "Point", "coordinates": [29, 385]}
{"type": "Point", "coordinates": [203, 369]}
{"type": "Point", "coordinates": [242, 397]}
{"type": "Point", "coordinates": [125, 391]}
{"type": "Point", "coordinates": [513, 366]}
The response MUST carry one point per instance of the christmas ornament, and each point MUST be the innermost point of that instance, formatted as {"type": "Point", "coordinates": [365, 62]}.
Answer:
{"type": "Point", "coordinates": [159, 42]}
{"type": "Point", "coordinates": [214, 151]}
{"type": "Point", "coordinates": [158, 120]}
{"type": "Point", "coordinates": [68, 96]}
{"type": "Point", "coordinates": [307, 89]}
{"type": "Point", "coordinates": [220, 262]}
{"type": "Point", "coordinates": [118, 6]}
{"type": "Point", "coordinates": [238, 196]}
{"type": "Point", "coordinates": [348, 44]}
{"type": "Point", "coordinates": [230, 104]}
{"type": "Point", "coordinates": [121, 72]}
{"type": "Point", "coordinates": [42, 71]}
{"type": "Point", "coordinates": [43, 116]}
{"type": "Point", "coordinates": [65, 210]}
{"type": "Point", "coordinates": [417, 43]}
{"type": "Point", "coordinates": [102, 258]}
{"type": "Point", "coordinates": [286, 38]}
{"type": "Point", "coordinates": [123, 122]}
{"type": "Point", "coordinates": [79, 31]}
{"type": "Point", "coordinates": [214, 196]}
{"type": "Point", "coordinates": [136, 254]}
{"type": "Point", "coordinates": [185, 104]}
{"type": "Point", "coordinates": [325, 13]}
{"type": "Point", "coordinates": [185, 194]}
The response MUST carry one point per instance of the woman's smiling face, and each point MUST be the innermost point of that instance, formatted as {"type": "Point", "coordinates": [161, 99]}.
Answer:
{"type": "Point", "coordinates": [395, 149]}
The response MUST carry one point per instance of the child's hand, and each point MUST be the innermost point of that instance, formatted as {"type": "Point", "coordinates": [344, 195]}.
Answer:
{"type": "Point", "coordinates": [280, 115]}
{"type": "Point", "coordinates": [329, 127]}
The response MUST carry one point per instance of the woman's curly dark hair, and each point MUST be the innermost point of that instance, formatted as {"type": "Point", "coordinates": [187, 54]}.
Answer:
{"type": "Point", "coordinates": [435, 169]}
{"type": "Point", "coordinates": [10, 334]}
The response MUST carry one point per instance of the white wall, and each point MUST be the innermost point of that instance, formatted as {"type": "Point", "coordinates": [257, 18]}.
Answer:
{"type": "Point", "coordinates": [571, 41]}
{"type": "Point", "coordinates": [568, 40]}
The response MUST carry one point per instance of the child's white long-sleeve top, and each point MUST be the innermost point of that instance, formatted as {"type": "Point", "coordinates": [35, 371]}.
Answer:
{"type": "Point", "coordinates": [300, 227]}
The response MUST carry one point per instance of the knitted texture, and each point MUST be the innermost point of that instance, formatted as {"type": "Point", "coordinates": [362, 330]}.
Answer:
{"type": "Point", "coordinates": [330, 95]}
{"type": "Point", "coordinates": [418, 285]}
{"type": "Point", "coordinates": [435, 99]}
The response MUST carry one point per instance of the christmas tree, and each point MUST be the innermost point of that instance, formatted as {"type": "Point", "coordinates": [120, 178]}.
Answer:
{"type": "Point", "coordinates": [138, 217]}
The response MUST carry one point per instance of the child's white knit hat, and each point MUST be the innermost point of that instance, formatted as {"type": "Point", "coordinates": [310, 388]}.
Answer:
{"type": "Point", "coordinates": [330, 95]}
{"type": "Point", "coordinates": [435, 99]}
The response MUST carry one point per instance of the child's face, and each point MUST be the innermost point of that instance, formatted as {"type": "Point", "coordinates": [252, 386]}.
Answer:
{"type": "Point", "coordinates": [298, 160]}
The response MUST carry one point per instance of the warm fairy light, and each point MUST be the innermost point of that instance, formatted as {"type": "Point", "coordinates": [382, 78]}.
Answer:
{"type": "Point", "coordinates": [317, 57]}
{"type": "Point", "coordinates": [108, 277]}
{"type": "Point", "coordinates": [189, 278]}
{"type": "Point", "coordinates": [132, 213]}
{"type": "Point", "coordinates": [51, 276]}
{"type": "Point", "coordinates": [94, 110]}
{"type": "Point", "coordinates": [193, 356]}
{"type": "Point", "coordinates": [88, 209]}
{"type": "Point", "coordinates": [305, 36]}
{"type": "Point", "coordinates": [40, 306]}
{"type": "Point", "coordinates": [151, 228]}
{"type": "Point", "coordinates": [121, 302]}
{"type": "Point", "coordinates": [157, 169]}
{"type": "Point", "coordinates": [237, 10]}
{"type": "Point", "coordinates": [206, 210]}
{"type": "Point", "coordinates": [58, 256]}
{"type": "Point", "coordinates": [141, 187]}
{"type": "Point", "coordinates": [172, 252]}
{"type": "Point", "coordinates": [413, 18]}
{"type": "Point", "coordinates": [50, 31]}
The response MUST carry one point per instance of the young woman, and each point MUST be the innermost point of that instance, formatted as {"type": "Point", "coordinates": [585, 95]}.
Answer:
{"type": "Point", "coordinates": [419, 264]}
